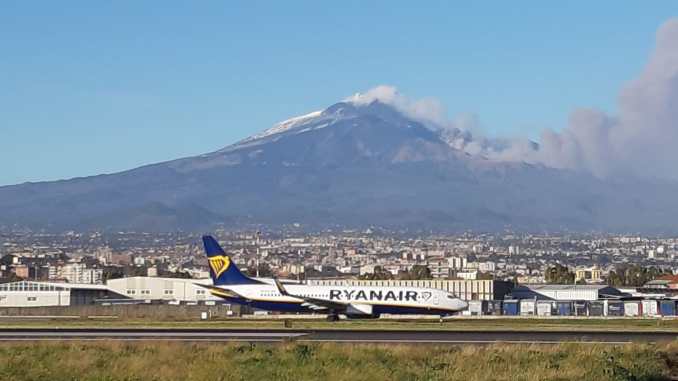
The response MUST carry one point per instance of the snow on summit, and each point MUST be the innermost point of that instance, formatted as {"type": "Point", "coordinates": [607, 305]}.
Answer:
{"type": "Point", "coordinates": [287, 125]}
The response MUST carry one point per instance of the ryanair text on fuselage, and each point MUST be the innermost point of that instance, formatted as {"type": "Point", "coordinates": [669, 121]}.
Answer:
{"type": "Point", "coordinates": [377, 295]}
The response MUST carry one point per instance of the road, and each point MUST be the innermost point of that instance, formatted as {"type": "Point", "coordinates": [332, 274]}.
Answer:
{"type": "Point", "coordinates": [339, 336]}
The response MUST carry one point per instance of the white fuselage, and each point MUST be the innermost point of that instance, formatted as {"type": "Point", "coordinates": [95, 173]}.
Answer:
{"type": "Point", "coordinates": [357, 299]}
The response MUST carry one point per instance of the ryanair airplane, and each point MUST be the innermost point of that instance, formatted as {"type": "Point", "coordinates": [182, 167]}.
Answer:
{"type": "Point", "coordinates": [353, 301]}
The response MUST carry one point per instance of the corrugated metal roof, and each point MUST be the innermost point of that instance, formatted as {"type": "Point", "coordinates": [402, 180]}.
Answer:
{"type": "Point", "coordinates": [77, 286]}
{"type": "Point", "coordinates": [560, 287]}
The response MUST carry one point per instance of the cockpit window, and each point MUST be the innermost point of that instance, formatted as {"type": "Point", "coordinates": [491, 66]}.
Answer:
{"type": "Point", "coordinates": [451, 297]}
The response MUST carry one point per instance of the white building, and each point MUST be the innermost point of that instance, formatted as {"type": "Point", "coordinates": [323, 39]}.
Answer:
{"type": "Point", "coordinates": [76, 273]}
{"type": "Point", "coordinates": [352, 270]}
{"type": "Point", "coordinates": [457, 263]}
{"type": "Point", "coordinates": [79, 273]}
{"type": "Point", "coordinates": [45, 294]}
{"type": "Point", "coordinates": [197, 273]}
{"type": "Point", "coordinates": [464, 289]}
{"type": "Point", "coordinates": [467, 275]}
{"type": "Point", "coordinates": [164, 289]}
{"type": "Point", "coordinates": [439, 268]}
{"type": "Point", "coordinates": [487, 267]}
{"type": "Point", "coordinates": [565, 292]}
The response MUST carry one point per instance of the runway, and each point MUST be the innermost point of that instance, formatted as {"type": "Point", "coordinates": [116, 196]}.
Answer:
{"type": "Point", "coordinates": [337, 336]}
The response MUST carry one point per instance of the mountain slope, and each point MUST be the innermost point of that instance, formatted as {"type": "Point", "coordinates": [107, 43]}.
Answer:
{"type": "Point", "coordinates": [352, 165]}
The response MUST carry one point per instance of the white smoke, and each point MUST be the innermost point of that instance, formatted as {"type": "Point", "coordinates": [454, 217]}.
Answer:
{"type": "Point", "coordinates": [459, 131]}
{"type": "Point", "coordinates": [427, 110]}
{"type": "Point", "coordinates": [641, 141]}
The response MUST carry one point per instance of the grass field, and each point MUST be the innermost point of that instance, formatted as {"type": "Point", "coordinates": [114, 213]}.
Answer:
{"type": "Point", "coordinates": [520, 324]}
{"type": "Point", "coordinates": [181, 361]}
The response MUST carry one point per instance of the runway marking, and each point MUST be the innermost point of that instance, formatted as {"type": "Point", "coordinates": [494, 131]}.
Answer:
{"type": "Point", "coordinates": [394, 341]}
{"type": "Point", "coordinates": [273, 340]}
{"type": "Point", "coordinates": [234, 339]}
{"type": "Point", "coordinates": [103, 335]}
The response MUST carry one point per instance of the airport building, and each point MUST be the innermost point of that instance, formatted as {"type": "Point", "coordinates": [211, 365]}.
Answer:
{"type": "Point", "coordinates": [164, 290]}
{"type": "Point", "coordinates": [45, 294]}
{"type": "Point", "coordinates": [464, 289]}
{"type": "Point", "coordinates": [123, 290]}
{"type": "Point", "coordinates": [566, 292]}
{"type": "Point", "coordinates": [485, 297]}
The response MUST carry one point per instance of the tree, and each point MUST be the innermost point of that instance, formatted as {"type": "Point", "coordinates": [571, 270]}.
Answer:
{"type": "Point", "coordinates": [264, 270]}
{"type": "Point", "coordinates": [379, 273]}
{"type": "Point", "coordinates": [417, 272]}
{"type": "Point", "coordinates": [113, 272]}
{"type": "Point", "coordinates": [174, 274]}
{"type": "Point", "coordinates": [633, 275]}
{"type": "Point", "coordinates": [559, 274]}
{"type": "Point", "coordinates": [11, 277]}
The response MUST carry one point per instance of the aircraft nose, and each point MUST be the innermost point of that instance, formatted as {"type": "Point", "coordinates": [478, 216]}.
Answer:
{"type": "Point", "coordinates": [462, 304]}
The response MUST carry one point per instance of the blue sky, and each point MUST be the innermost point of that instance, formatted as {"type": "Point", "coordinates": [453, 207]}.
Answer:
{"type": "Point", "coordinates": [97, 87]}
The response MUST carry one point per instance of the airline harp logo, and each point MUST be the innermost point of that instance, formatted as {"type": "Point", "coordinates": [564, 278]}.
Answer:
{"type": "Point", "coordinates": [219, 264]}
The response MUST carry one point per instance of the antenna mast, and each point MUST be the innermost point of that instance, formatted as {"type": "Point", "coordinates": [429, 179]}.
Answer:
{"type": "Point", "coordinates": [258, 235]}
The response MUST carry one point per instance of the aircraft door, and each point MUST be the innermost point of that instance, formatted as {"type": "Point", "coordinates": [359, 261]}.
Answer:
{"type": "Point", "coordinates": [435, 300]}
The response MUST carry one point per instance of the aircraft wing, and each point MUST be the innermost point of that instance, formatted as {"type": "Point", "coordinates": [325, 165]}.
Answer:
{"type": "Point", "coordinates": [312, 303]}
{"type": "Point", "coordinates": [218, 291]}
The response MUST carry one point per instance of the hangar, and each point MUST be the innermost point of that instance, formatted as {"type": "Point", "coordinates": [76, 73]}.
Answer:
{"type": "Point", "coordinates": [566, 292]}
{"type": "Point", "coordinates": [44, 294]}
{"type": "Point", "coordinates": [164, 290]}
{"type": "Point", "coordinates": [464, 289]}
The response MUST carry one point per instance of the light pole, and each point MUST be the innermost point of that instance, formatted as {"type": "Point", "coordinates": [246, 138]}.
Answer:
{"type": "Point", "coordinates": [258, 235]}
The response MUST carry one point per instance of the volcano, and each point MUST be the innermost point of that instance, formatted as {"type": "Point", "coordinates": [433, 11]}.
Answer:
{"type": "Point", "coordinates": [349, 165]}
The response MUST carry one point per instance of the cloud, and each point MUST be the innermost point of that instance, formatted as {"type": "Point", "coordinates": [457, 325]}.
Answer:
{"type": "Point", "coordinates": [642, 140]}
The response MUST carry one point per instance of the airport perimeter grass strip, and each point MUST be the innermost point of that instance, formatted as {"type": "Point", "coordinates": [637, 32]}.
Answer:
{"type": "Point", "coordinates": [118, 361]}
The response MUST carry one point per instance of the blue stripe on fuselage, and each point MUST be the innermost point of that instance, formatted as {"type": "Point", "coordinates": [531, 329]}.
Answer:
{"type": "Point", "coordinates": [398, 310]}
{"type": "Point", "coordinates": [269, 306]}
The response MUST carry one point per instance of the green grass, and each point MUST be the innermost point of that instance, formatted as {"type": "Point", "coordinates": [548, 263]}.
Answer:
{"type": "Point", "coordinates": [151, 361]}
{"type": "Point", "coordinates": [524, 324]}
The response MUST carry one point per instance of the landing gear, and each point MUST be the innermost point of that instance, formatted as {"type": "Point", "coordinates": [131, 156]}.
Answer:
{"type": "Point", "coordinates": [332, 317]}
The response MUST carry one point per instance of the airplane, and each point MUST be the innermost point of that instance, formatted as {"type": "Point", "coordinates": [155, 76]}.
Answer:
{"type": "Point", "coordinates": [352, 301]}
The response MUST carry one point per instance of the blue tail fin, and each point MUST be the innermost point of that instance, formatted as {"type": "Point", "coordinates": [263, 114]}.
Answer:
{"type": "Point", "coordinates": [222, 270]}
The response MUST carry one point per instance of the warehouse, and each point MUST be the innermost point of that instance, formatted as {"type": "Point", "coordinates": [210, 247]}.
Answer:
{"type": "Point", "coordinates": [464, 289]}
{"type": "Point", "coordinates": [165, 290]}
{"type": "Point", "coordinates": [566, 292]}
{"type": "Point", "coordinates": [44, 294]}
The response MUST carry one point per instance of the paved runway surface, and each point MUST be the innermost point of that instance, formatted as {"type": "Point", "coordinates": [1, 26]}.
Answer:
{"type": "Point", "coordinates": [341, 336]}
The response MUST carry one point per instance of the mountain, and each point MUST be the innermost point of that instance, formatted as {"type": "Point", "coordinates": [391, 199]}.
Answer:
{"type": "Point", "coordinates": [351, 165]}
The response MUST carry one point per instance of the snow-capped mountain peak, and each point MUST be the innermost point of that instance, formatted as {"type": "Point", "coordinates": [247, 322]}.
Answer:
{"type": "Point", "coordinates": [286, 125]}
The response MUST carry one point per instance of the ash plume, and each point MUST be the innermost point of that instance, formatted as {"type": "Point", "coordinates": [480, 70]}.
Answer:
{"type": "Point", "coordinates": [641, 141]}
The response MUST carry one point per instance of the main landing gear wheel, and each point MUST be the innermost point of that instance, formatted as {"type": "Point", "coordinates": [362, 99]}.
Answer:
{"type": "Point", "coordinates": [332, 317]}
